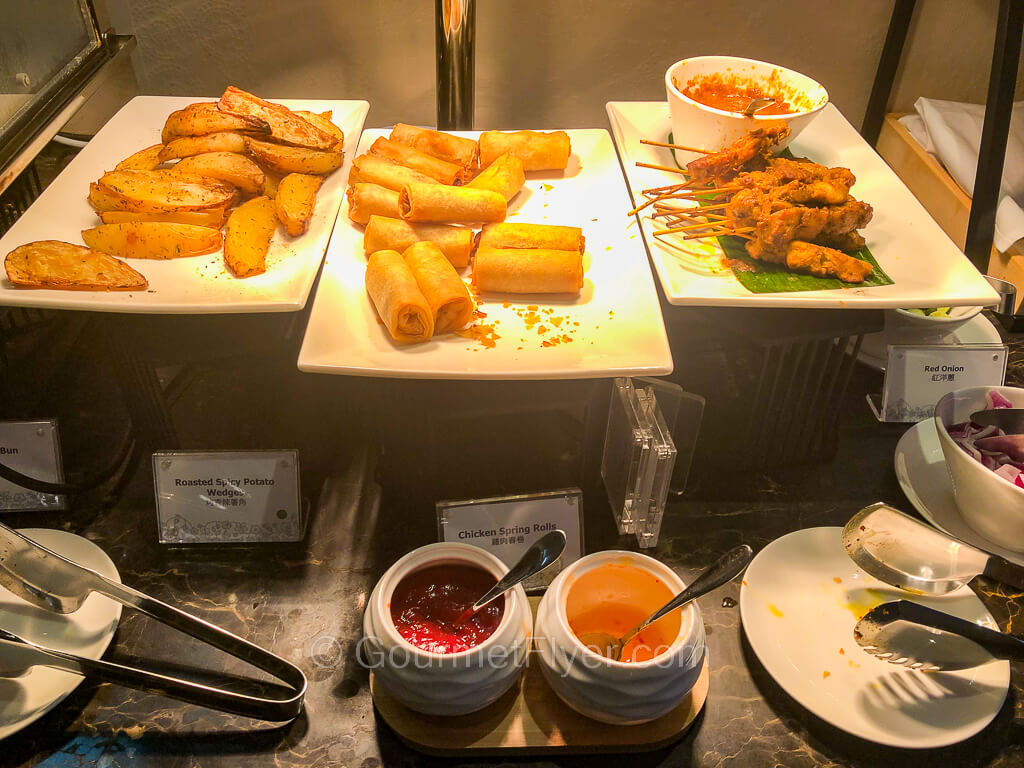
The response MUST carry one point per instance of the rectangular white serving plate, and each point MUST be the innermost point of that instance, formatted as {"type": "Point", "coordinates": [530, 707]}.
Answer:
{"type": "Point", "coordinates": [927, 269]}
{"type": "Point", "coordinates": [620, 330]}
{"type": "Point", "coordinates": [194, 285]}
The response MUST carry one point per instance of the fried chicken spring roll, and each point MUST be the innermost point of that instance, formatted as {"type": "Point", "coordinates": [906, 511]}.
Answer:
{"type": "Point", "coordinates": [384, 233]}
{"type": "Point", "coordinates": [527, 270]}
{"type": "Point", "coordinates": [398, 299]}
{"type": "Point", "coordinates": [377, 170]}
{"type": "Point", "coordinates": [441, 203]}
{"type": "Point", "coordinates": [441, 285]}
{"type": "Point", "coordinates": [538, 151]}
{"type": "Point", "coordinates": [434, 167]}
{"type": "Point", "coordinates": [504, 176]}
{"type": "Point", "coordinates": [507, 235]}
{"type": "Point", "coordinates": [366, 200]}
{"type": "Point", "coordinates": [454, 149]}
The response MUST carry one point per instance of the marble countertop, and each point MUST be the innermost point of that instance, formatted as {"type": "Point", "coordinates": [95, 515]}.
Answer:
{"type": "Point", "coordinates": [372, 489]}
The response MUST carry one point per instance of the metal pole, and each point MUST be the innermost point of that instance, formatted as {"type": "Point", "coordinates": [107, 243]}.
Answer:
{"type": "Point", "coordinates": [888, 63]}
{"type": "Point", "coordinates": [998, 108]}
{"type": "Point", "coordinates": [455, 22]}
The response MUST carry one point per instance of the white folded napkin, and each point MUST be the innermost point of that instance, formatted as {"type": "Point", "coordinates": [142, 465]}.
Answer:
{"type": "Point", "coordinates": [951, 131]}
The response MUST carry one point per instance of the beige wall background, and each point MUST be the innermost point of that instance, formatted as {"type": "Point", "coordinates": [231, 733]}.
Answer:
{"type": "Point", "coordinates": [543, 63]}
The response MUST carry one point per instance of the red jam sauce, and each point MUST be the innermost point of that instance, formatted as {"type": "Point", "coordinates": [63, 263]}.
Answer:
{"type": "Point", "coordinates": [426, 604]}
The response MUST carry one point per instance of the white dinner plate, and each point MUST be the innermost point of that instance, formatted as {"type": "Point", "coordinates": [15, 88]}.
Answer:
{"type": "Point", "coordinates": [194, 285]}
{"type": "Point", "coordinates": [874, 350]}
{"type": "Point", "coordinates": [86, 632]}
{"type": "Point", "coordinates": [927, 269]}
{"type": "Point", "coordinates": [922, 474]}
{"type": "Point", "coordinates": [612, 328]}
{"type": "Point", "coordinates": [800, 599]}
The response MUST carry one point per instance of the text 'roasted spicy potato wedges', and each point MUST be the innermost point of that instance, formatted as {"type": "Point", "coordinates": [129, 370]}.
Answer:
{"type": "Point", "coordinates": [152, 239]}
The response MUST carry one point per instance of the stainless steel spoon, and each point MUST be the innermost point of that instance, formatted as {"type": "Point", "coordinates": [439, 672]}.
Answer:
{"type": "Point", "coordinates": [724, 569]}
{"type": "Point", "coordinates": [542, 553]}
{"type": "Point", "coordinates": [1010, 420]}
{"type": "Point", "coordinates": [757, 104]}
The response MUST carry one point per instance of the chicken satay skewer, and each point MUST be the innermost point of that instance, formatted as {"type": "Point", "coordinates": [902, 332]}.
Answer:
{"type": "Point", "coordinates": [668, 168]}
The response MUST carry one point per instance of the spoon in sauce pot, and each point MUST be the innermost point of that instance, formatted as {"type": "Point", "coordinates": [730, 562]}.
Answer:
{"type": "Point", "coordinates": [724, 569]}
{"type": "Point", "coordinates": [542, 553]}
{"type": "Point", "coordinates": [755, 105]}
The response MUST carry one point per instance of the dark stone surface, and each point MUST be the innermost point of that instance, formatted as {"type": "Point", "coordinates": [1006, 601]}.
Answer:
{"type": "Point", "coordinates": [376, 454]}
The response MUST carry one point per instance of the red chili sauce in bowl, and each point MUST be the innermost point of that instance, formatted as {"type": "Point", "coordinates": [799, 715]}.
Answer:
{"type": "Point", "coordinates": [426, 604]}
{"type": "Point", "coordinates": [730, 96]}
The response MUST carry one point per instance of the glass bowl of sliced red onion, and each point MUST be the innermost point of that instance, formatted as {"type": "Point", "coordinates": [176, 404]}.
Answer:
{"type": "Point", "coordinates": [986, 468]}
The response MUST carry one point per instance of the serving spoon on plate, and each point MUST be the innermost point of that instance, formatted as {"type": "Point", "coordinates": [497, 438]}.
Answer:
{"type": "Point", "coordinates": [906, 553]}
{"type": "Point", "coordinates": [724, 569]}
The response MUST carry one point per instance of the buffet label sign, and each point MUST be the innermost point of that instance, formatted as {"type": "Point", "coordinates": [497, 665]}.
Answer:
{"type": "Point", "coordinates": [917, 376]}
{"type": "Point", "coordinates": [507, 525]}
{"type": "Point", "coordinates": [31, 448]}
{"type": "Point", "coordinates": [227, 497]}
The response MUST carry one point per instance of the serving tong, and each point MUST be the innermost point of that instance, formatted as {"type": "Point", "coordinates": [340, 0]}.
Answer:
{"type": "Point", "coordinates": [50, 581]}
{"type": "Point", "coordinates": [918, 637]}
{"type": "Point", "coordinates": [906, 553]}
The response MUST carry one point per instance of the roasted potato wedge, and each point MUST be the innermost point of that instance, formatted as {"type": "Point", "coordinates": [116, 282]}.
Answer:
{"type": "Point", "coordinates": [285, 125]}
{"type": "Point", "coordinates": [144, 160]}
{"type": "Point", "coordinates": [272, 179]}
{"type": "Point", "coordinates": [152, 239]}
{"type": "Point", "coordinates": [323, 122]}
{"type": "Point", "coordinates": [233, 168]}
{"type": "Point", "coordinates": [295, 201]}
{"type": "Point", "coordinates": [284, 159]}
{"type": "Point", "coordinates": [164, 191]}
{"type": "Point", "coordinates": [247, 236]}
{"type": "Point", "coordinates": [213, 217]}
{"type": "Point", "coordinates": [186, 146]}
{"type": "Point", "coordinates": [200, 122]}
{"type": "Point", "coordinates": [55, 264]}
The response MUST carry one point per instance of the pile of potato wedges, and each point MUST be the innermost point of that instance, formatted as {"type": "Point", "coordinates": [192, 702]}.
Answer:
{"type": "Point", "coordinates": [241, 164]}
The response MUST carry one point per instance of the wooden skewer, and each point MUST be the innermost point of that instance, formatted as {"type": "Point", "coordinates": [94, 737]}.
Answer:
{"type": "Point", "coordinates": [712, 192]}
{"type": "Point", "coordinates": [652, 200]}
{"type": "Point", "coordinates": [698, 225]}
{"type": "Point", "coordinates": [668, 168]}
{"type": "Point", "coordinates": [717, 233]}
{"type": "Point", "coordinates": [667, 187]}
{"type": "Point", "coordinates": [676, 146]}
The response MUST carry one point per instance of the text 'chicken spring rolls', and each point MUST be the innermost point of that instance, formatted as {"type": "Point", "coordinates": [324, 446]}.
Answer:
{"type": "Point", "coordinates": [527, 270]}
{"type": "Point", "coordinates": [377, 170]}
{"type": "Point", "coordinates": [504, 176]}
{"type": "Point", "coordinates": [398, 298]}
{"type": "Point", "coordinates": [366, 200]}
{"type": "Point", "coordinates": [513, 235]}
{"type": "Point", "coordinates": [441, 285]}
{"type": "Point", "coordinates": [538, 151]}
{"type": "Point", "coordinates": [410, 157]}
{"type": "Point", "coordinates": [454, 149]}
{"type": "Point", "coordinates": [387, 233]}
{"type": "Point", "coordinates": [441, 203]}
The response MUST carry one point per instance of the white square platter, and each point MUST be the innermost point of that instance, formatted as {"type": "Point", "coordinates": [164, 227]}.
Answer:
{"type": "Point", "coordinates": [195, 285]}
{"type": "Point", "coordinates": [926, 267]}
{"type": "Point", "coordinates": [615, 324]}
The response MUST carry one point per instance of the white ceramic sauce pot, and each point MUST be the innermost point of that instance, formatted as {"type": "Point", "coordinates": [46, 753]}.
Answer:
{"type": "Point", "coordinates": [621, 693]}
{"type": "Point", "coordinates": [453, 683]}
{"type": "Point", "coordinates": [698, 125]}
{"type": "Point", "coordinates": [990, 504]}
